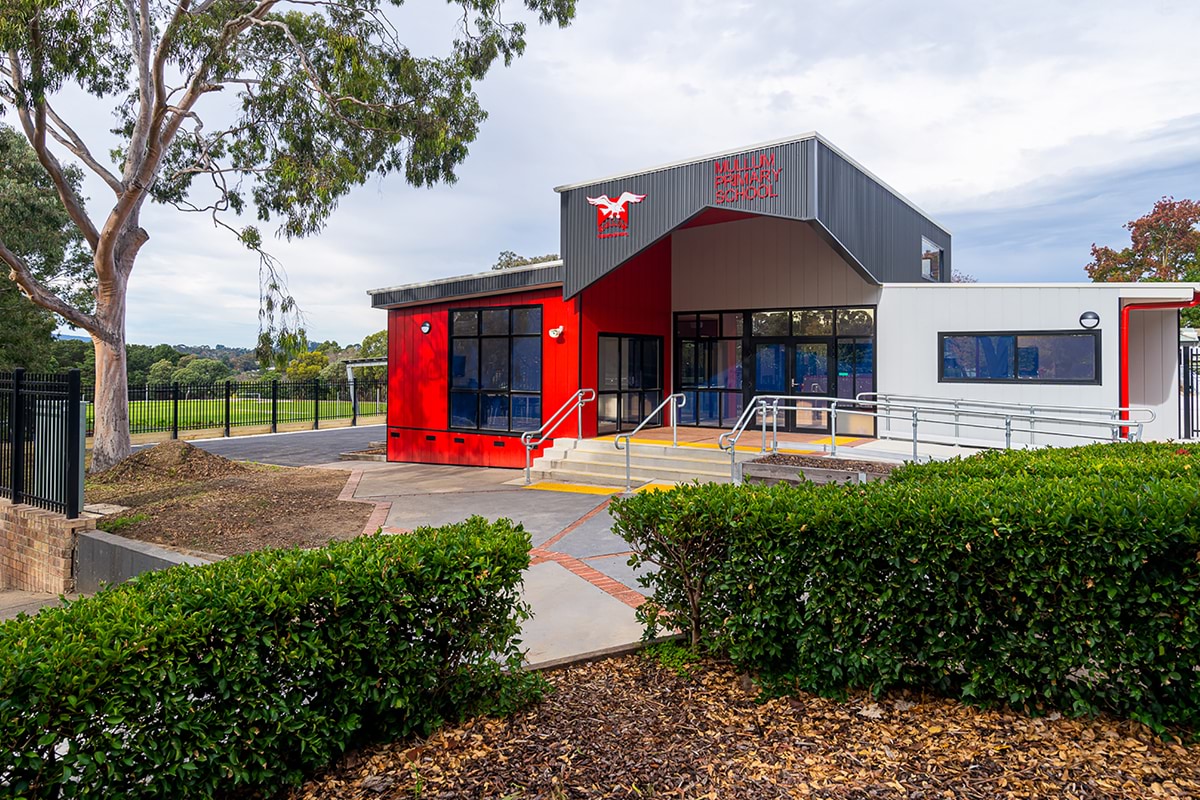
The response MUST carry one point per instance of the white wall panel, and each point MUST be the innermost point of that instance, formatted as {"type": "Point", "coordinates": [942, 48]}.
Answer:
{"type": "Point", "coordinates": [912, 316]}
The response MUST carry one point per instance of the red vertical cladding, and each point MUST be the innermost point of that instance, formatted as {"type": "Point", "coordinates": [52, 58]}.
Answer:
{"type": "Point", "coordinates": [633, 299]}
{"type": "Point", "coordinates": [419, 380]}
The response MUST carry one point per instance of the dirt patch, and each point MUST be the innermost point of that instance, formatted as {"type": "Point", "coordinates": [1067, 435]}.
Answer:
{"type": "Point", "coordinates": [183, 497]}
{"type": "Point", "coordinates": [825, 462]}
{"type": "Point", "coordinates": [627, 728]}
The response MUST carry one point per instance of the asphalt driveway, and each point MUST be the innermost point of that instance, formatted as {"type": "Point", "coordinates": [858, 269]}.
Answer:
{"type": "Point", "coordinates": [300, 449]}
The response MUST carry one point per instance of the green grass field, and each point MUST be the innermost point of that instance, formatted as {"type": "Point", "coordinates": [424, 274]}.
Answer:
{"type": "Point", "coordinates": [150, 416]}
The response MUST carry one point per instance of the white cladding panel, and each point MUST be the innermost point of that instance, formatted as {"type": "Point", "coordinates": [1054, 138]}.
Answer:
{"type": "Point", "coordinates": [761, 263]}
{"type": "Point", "coordinates": [911, 317]}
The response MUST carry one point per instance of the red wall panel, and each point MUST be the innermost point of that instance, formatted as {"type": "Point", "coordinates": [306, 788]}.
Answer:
{"type": "Point", "coordinates": [419, 380]}
{"type": "Point", "coordinates": [634, 299]}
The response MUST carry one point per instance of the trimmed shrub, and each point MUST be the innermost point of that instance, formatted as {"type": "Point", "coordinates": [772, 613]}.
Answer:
{"type": "Point", "coordinates": [1040, 580]}
{"type": "Point", "coordinates": [241, 677]}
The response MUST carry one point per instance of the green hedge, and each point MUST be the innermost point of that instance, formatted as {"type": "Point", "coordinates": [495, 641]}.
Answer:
{"type": "Point", "coordinates": [245, 675]}
{"type": "Point", "coordinates": [1076, 588]}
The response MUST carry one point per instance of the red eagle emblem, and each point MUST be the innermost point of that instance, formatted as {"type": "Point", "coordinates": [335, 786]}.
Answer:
{"type": "Point", "coordinates": [612, 216]}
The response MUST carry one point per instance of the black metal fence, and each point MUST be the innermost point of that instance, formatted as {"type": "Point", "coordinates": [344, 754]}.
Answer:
{"type": "Point", "coordinates": [41, 440]}
{"type": "Point", "coordinates": [1189, 391]}
{"type": "Point", "coordinates": [174, 407]}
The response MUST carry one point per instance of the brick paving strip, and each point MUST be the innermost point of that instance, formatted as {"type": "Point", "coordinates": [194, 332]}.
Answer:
{"type": "Point", "coordinates": [378, 516]}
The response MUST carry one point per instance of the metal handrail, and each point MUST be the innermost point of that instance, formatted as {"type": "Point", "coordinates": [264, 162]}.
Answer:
{"type": "Point", "coordinates": [773, 404]}
{"type": "Point", "coordinates": [677, 401]}
{"type": "Point", "coordinates": [575, 403]}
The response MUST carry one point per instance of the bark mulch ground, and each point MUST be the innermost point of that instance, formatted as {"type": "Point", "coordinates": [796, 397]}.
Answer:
{"type": "Point", "coordinates": [629, 728]}
{"type": "Point", "coordinates": [184, 497]}
{"type": "Point", "coordinates": [825, 462]}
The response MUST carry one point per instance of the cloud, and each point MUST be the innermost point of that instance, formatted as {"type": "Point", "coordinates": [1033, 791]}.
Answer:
{"type": "Point", "coordinates": [1031, 128]}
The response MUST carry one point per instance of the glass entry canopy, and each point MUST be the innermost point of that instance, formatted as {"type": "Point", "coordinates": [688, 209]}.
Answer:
{"type": "Point", "coordinates": [726, 358]}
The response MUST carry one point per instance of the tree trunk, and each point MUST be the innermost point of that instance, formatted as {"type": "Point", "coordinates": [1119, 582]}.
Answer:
{"type": "Point", "coordinates": [111, 410]}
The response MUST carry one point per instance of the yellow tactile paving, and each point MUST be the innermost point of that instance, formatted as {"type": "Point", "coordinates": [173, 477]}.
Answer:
{"type": "Point", "coordinates": [549, 486]}
{"type": "Point", "coordinates": [841, 440]}
{"type": "Point", "coordinates": [655, 487]}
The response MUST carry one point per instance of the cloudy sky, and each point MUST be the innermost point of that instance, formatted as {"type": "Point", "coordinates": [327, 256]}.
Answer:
{"type": "Point", "coordinates": [1030, 129]}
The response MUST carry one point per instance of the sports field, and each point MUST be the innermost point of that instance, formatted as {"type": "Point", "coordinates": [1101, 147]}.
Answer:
{"type": "Point", "coordinates": [153, 416]}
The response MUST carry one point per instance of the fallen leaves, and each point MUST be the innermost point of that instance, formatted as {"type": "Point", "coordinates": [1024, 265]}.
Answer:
{"type": "Point", "coordinates": [627, 728]}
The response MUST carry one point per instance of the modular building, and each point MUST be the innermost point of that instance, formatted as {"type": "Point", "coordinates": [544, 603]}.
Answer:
{"type": "Point", "coordinates": [784, 268]}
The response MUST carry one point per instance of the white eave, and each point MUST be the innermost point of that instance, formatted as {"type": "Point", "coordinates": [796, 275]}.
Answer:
{"type": "Point", "coordinates": [1151, 290]}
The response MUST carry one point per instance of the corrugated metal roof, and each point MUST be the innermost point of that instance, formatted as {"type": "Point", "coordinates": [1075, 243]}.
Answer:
{"type": "Point", "coordinates": [547, 273]}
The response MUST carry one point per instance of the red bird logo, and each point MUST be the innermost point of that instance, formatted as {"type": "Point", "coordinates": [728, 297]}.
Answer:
{"type": "Point", "coordinates": [612, 216]}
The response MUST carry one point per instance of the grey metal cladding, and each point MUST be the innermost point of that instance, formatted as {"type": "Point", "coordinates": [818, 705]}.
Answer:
{"type": "Point", "coordinates": [674, 195]}
{"type": "Point", "coordinates": [497, 281]}
{"type": "Point", "coordinates": [880, 229]}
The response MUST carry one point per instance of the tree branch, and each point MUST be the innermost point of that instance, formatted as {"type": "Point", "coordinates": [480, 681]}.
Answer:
{"type": "Point", "coordinates": [139, 44]}
{"type": "Point", "coordinates": [80, 150]}
{"type": "Point", "coordinates": [35, 132]}
{"type": "Point", "coordinates": [20, 273]}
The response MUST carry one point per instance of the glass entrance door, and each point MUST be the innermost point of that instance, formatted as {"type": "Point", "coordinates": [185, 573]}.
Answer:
{"type": "Point", "coordinates": [630, 381]}
{"type": "Point", "coordinates": [796, 367]}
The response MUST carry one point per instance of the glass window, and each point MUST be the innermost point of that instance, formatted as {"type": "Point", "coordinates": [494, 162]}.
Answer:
{"type": "Point", "coordinates": [493, 362]}
{"type": "Point", "coordinates": [710, 325]}
{"type": "Point", "coordinates": [489, 359]}
{"type": "Point", "coordinates": [464, 364]}
{"type": "Point", "coordinates": [495, 322]}
{"type": "Point", "coordinates": [527, 365]}
{"type": "Point", "coordinates": [769, 323]}
{"type": "Point", "coordinates": [731, 325]}
{"type": "Point", "coordinates": [855, 322]}
{"type": "Point", "coordinates": [685, 326]}
{"type": "Point", "coordinates": [728, 371]}
{"type": "Point", "coordinates": [464, 323]}
{"type": "Point", "coordinates": [931, 260]}
{"type": "Point", "coordinates": [526, 412]}
{"type": "Point", "coordinates": [812, 322]}
{"type": "Point", "coordinates": [1066, 357]}
{"type": "Point", "coordinates": [464, 410]}
{"type": "Point", "coordinates": [527, 321]}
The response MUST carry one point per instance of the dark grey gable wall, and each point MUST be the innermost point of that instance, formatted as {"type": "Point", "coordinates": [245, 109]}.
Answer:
{"type": "Point", "coordinates": [870, 222]}
{"type": "Point", "coordinates": [673, 196]}
{"type": "Point", "coordinates": [876, 230]}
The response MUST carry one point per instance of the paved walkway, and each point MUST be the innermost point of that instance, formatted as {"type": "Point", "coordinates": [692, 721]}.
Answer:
{"type": "Point", "coordinates": [580, 586]}
{"type": "Point", "coordinates": [296, 449]}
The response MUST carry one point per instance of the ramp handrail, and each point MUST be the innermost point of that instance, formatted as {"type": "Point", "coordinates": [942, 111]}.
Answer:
{"type": "Point", "coordinates": [771, 405]}
{"type": "Point", "coordinates": [575, 403]}
{"type": "Point", "coordinates": [676, 401]}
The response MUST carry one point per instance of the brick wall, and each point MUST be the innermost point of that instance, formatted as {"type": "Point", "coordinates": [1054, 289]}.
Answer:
{"type": "Point", "coordinates": [37, 548]}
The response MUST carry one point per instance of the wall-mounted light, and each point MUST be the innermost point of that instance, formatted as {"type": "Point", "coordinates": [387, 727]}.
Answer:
{"type": "Point", "coordinates": [426, 327]}
{"type": "Point", "coordinates": [1089, 319]}
{"type": "Point", "coordinates": [555, 333]}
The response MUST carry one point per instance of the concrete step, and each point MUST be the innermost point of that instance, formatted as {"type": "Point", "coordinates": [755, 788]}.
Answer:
{"type": "Point", "coordinates": [609, 469]}
{"type": "Point", "coordinates": [617, 479]}
{"type": "Point", "coordinates": [642, 461]}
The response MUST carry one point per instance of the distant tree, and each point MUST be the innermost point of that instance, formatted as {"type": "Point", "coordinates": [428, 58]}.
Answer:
{"type": "Point", "coordinates": [161, 371]}
{"type": "Point", "coordinates": [74, 354]}
{"type": "Point", "coordinates": [277, 108]}
{"type": "Point", "coordinates": [201, 370]}
{"type": "Point", "coordinates": [1164, 246]}
{"type": "Point", "coordinates": [373, 346]}
{"type": "Point", "coordinates": [328, 346]}
{"type": "Point", "coordinates": [307, 366]}
{"type": "Point", "coordinates": [509, 259]}
{"type": "Point", "coordinates": [38, 230]}
{"type": "Point", "coordinates": [962, 277]}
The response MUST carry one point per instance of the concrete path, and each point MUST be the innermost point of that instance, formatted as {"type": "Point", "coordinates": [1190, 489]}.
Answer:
{"type": "Point", "coordinates": [581, 589]}
{"type": "Point", "coordinates": [297, 449]}
{"type": "Point", "coordinates": [14, 602]}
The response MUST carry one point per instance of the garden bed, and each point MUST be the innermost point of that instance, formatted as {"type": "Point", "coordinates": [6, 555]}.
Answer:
{"type": "Point", "coordinates": [787, 467]}
{"type": "Point", "coordinates": [629, 728]}
{"type": "Point", "coordinates": [181, 496]}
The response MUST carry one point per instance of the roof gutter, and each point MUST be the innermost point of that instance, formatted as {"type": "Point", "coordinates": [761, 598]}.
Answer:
{"type": "Point", "coordinates": [1125, 312]}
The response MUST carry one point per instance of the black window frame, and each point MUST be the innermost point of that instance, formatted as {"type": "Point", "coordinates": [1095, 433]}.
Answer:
{"type": "Point", "coordinates": [478, 390]}
{"type": "Point", "coordinates": [1096, 335]}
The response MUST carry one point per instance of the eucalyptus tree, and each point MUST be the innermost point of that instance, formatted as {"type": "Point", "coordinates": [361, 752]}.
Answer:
{"type": "Point", "coordinates": [276, 108]}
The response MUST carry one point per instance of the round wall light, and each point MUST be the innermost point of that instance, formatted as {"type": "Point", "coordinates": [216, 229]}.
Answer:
{"type": "Point", "coordinates": [555, 333]}
{"type": "Point", "coordinates": [426, 327]}
{"type": "Point", "coordinates": [1089, 319]}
